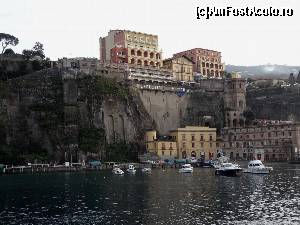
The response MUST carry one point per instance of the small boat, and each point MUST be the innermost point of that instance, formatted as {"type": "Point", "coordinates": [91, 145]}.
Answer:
{"type": "Point", "coordinates": [228, 169]}
{"type": "Point", "coordinates": [146, 170]}
{"type": "Point", "coordinates": [257, 167]}
{"type": "Point", "coordinates": [131, 169]}
{"type": "Point", "coordinates": [186, 168]}
{"type": "Point", "coordinates": [117, 171]}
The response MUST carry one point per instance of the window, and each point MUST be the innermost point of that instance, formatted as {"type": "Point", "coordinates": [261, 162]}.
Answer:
{"type": "Point", "coordinates": [163, 152]}
{"type": "Point", "coordinates": [201, 138]}
{"type": "Point", "coordinates": [210, 137]}
{"type": "Point", "coordinates": [163, 146]}
{"type": "Point", "coordinates": [193, 145]}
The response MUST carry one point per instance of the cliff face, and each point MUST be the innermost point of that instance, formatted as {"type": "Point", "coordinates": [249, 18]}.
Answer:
{"type": "Point", "coordinates": [65, 113]}
{"type": "Point", "coordinates": [275, 103]}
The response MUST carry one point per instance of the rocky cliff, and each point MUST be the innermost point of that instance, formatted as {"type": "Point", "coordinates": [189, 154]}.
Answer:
{"type": "Point", "coordinates": [61, 114]}
{"type": "Point", "coordinates": [276, 103]}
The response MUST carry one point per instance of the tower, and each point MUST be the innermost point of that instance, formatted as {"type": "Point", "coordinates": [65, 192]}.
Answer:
{"type": "Point", "coordinates": [234, 101]}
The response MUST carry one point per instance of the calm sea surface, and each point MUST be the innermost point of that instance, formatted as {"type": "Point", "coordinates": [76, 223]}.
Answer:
{"type": "Point", "coordinates": [163, 197]}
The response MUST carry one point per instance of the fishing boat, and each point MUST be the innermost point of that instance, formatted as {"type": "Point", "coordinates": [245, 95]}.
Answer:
{"type": "Point", "coordinates": [257, 167]}
{"type": "Point", "coordinates": [186, 168]}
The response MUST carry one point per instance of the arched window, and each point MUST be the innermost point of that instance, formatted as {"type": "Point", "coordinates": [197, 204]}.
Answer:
{"type": "Point", "coordinates": [132, 52]}
{"type": "Point", "coordinates": [158, 64]}
{"type": "Point", "coordinates": [157, 56]}
{"type": "Point", "coordinates": [145, 54]}
{"type": "Point", "coordinates": [139, 62]}
{"type": "Point", "coordinates": [193, 154]}
{"type": "Point", "coordinates": [132, 61]}
{"type": "Point", "coordinates": [151, 55]}
{"type": "Point", "coordinates": [145, 63]}
{"type": "Point", "coordinates": [152, 63]}
{"type": "Point", "coordinates": [139, 53]}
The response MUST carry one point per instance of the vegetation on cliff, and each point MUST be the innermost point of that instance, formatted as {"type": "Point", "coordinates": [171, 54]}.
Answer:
{"type": "Point", "coordinates": [14, 65]}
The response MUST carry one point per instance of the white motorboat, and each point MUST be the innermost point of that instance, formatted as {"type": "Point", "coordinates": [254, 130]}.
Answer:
{"type": "Point", "coordinates": [186, 168]}
{"type": "Point", "coordinates": [116, 170]}
{"type": "Point", "coordinates": [257, 167]}
{"type": "Point", "coordinates": [131, 169]}
{"type": "Point", "coordinates": [228, 169]}
{"type": "Point", "coordinates": [146, 170]}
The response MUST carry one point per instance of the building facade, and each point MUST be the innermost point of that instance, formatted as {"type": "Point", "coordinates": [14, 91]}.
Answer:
{"type": "Point", "coordinates": [181, 67]}
{"type": "Point", "coordinates": [163, 147]}
{"type": "Point", "coordinates": [188, 142]}
{"type": "Point", "coordinates": [193, 141]}
{"type": "Point", "coordinates": [207, 62]}
{"type": "Point", "coordinates": [86, 65]}
{"type": "Point", "coordinates": [130, 47]}
{"type": "Point", "coordinates": [278, 141]}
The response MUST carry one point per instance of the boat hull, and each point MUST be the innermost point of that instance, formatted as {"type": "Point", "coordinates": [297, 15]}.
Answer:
{"type": "Point", "coordinates": [229, 173]}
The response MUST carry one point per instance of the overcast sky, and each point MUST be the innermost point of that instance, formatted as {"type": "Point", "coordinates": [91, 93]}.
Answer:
{"type": "Point", "coordinates": [71, 28]}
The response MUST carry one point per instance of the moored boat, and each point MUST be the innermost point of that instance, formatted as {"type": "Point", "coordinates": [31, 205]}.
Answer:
{"type": "Point", "coordinates": [257, 167]}
{"type": "Point", "coordinates": [186, 168]}
{"type": "Point", "coordinates": [117, 171]}
{"type": "Point", "coordinates": [228, 169]}
{"type": "Point", "coordinates": [146, 170]}
{"type": "Point", "coordinates": [131, 168]}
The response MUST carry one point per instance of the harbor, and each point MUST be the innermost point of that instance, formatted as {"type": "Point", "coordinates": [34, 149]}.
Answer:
{"type": "Point", "coordinates": [163, 197]}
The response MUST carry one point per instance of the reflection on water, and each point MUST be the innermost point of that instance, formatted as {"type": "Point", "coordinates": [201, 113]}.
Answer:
{"type": "Point", "coordinates": [163, 197]}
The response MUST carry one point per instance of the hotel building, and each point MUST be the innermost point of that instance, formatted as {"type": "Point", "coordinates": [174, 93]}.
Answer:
{"type": "Point", "coordinates": [181, 67]}
{"type": "Point", "coordinates": [182, 143]}
{"type": "Point", "coordinates": [130, 47]}
{"type": "Point", "coordinates": [207, 62]}
{"type": "Point", "coordinates": [278, 140]}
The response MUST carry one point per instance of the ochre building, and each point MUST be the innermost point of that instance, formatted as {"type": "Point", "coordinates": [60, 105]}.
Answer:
{"type": "Point", "coordinates": [207, 62]}
{"type": "Point", "coordinates": [181, 67]}
{"type": "Point", "coordinates": [188, 142]}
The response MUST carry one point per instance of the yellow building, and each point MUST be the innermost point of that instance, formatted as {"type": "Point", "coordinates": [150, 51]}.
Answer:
{"type": "Point", "coordinates": [187, 142]}
{"type": "Point", "coordinates": [181, 66]}
{"type": "Point", "coordinates": [194, 141]}
{"type": "Point", "coordinates": [164, 147]}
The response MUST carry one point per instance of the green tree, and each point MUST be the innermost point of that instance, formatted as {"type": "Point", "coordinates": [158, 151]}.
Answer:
{"type": "Point", "coordinates": [37, 50]}
{"type": "Point", "coordinates": [6, 40]}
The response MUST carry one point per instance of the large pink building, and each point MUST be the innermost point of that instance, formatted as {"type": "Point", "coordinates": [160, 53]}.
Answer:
{"type": "Point", "coordinates": [122, 46]}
